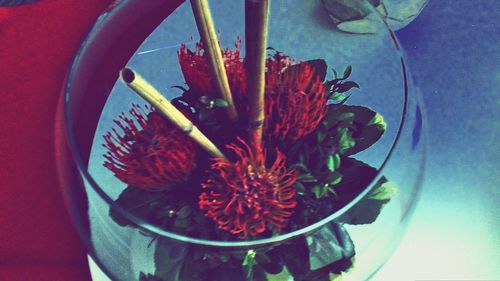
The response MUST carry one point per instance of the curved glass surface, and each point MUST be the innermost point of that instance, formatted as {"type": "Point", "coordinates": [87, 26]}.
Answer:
{"type": "Point", "coordinates": [142, 36]}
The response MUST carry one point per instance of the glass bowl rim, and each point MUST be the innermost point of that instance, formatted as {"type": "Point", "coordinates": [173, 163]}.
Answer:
{"type": "Point", "coordinates": [143, 225]}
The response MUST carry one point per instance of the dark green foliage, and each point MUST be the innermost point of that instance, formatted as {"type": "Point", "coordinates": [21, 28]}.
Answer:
{"type": "Point", "coordinates": [328, 179]}
{"type": "Point", "coordinates": [174, 209]}
{"type": "Point", "coordinates": [169, 257]}
{"type": "Point", "coordinates": [338, 87]}
{"type": "Point", "coordinates": [367, 210]}
{"type": "Point", "coordinates": [296, 255]}
{"type": "Point", "coordinates": [141, 203]}
{"type": "Point", "coordinates": [352, 129]}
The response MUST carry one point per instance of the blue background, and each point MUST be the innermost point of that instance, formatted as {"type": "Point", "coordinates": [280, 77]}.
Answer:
{"type": "Point", "coordinates": [453, 49]}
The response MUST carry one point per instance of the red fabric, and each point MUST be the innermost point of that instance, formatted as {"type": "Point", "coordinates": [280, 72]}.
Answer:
{"type": "Point", "coordinates": [37, 43]}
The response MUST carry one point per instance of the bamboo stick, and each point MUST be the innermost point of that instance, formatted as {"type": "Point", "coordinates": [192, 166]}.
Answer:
{"type": "Point", "coordinates": [205, 25]}
{"type": "Point", "coordinates": [256, 26]}
{"type": "Point", "coordinates": [133, 80]}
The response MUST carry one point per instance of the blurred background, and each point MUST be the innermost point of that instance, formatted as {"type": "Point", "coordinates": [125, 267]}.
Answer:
{"type": "Point", "coordinates": [453, 50]}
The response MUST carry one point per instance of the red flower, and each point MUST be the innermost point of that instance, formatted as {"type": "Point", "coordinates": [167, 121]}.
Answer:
{"type": "Point", "coordinates": [245, 197]}
{"type": "Point", "coordinates": [295, 98]}
{"type": "Point", "coordinates": [295, 101]}
{"type": "Point", "coordinates": [150, 156]}
{"type": "Point", "coordinates": [194, 66]}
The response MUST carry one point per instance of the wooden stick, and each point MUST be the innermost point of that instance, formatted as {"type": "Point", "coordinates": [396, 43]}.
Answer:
{"type": "Point", "coordinates": [205, 25]}
{"type": "Point", "coordinates": [149, 93]}
{"type": "Point", "coordinates": [256, 25]}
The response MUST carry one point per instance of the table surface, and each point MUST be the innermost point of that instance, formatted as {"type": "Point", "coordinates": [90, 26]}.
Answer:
{"type": "Point", "coordinates": [454, 54]}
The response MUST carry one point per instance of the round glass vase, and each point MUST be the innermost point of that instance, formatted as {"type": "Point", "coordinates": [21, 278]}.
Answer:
{"type": "Point", "coordinates": [353, 241]}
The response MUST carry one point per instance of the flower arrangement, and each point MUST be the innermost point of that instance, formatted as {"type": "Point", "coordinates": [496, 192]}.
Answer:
{"type": "Point", "coordinates": [254, 147]}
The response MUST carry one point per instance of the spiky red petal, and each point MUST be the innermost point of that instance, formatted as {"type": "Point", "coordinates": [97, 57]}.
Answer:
{"type": "Point", "coordinates": [195, 68]}
{"type": "Point", "coordinates": [150, 152]}
{"type": "Point", "coordinates": [296, 99]}
{"type": "Point", "coordinates": [245, 197]}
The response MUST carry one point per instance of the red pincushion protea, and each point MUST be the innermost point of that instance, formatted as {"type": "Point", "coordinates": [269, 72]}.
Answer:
{"type": "Point", "coordinates": [150, 156]}
{"type": "Point", "coordinates": [194, 66]}
{"type": "Point", "coordinates": [295, 101]}
{"type": "Point", "coordinates": [245, 197]}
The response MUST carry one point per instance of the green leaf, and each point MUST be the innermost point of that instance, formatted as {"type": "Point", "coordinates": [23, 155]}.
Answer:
{"type": "Point", "coordinates": [331, 118]}
{"type": "Point", "coordinates": [367, 124]}
{"type": "Point", "coordinates": [365, 25]}
{"type": "Point", "coordinates": [199, 218]}
{"type": "Point", "coordinates": [346, 140]}
{"type": "Point", "coordinates": [330, 162]}
{"type": "Point", "coordinates": [301, 166]}
{"type": "Point", "coordinates": [331, 244]}
{"type": "Point", "coordinates": [382, 9]}
{"type": "Point", "coordinates": [221, 103]}
{"type": "Point", "coordinates": [334, 178]}
{"type": "Point", "coordinates": [306, 177]}
{"type": "Point", "coordinates": [344, 100]}
{"type": "Point", "coordinates": [357, 176]}
{"type": "Point", "coordinates": [249, 258]}
{"type": "Point", "coordinates": [335, 74]}
{"type": "Point", "coordinates": [378, 121]}
{"type": "Point", "coordinates": [337, 96]}
{"type": "Point", "coordinates": [347, 72]}
{"type": "Point", "coordinates": [371, 126]}
{"type": "Point", "coordinates": [270, 262]}
{"type": "Point", "coordinates": [180, 87]}
{"type": "Point", "coordinates": [299, 187]}
{"type": "Point", "coordinates": [320, 67]}
{"type": "Point", "coordinates": [336, 161]}
{"type": "Point", "coordinates": [181, 223]}
{"type": "Point", "coordinates": [384, 190]}
{"type": "Point", "coordinates": [320, 135]}
{"type": "Point", "coordinates": [297, 258]}
{"type": "Point", "coordinates": [249, 261]}
{"type": "Point", "coordinates": [169, 257]}
{"type": "Point", "coordinates": [137, 201]}
{"type": "Point", "coordinates": [346, 86]}
{"type": "Point", "coordinates": [318, 191]}
{"type": "Point", "coordinates": [346, 117]}
{"type": "Point", "coordinates": [184, 212]}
